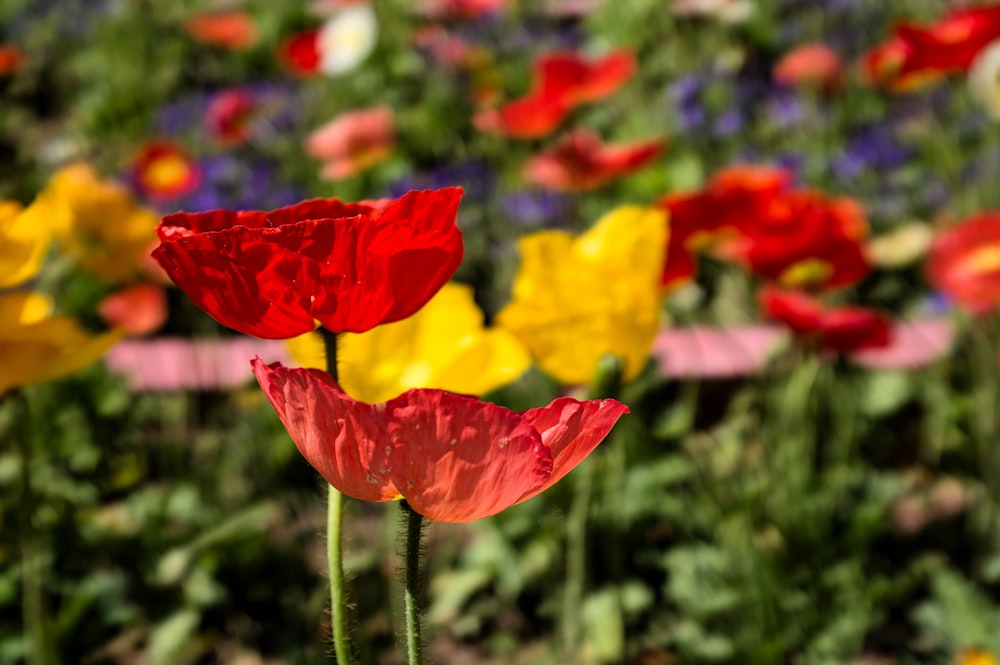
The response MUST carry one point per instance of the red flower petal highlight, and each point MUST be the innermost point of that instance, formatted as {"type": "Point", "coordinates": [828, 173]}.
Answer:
{"type": "Point", "coordinates": [838, 330]}
{"type": "Point", "coordinates": [951, 44]}
{"type": "Point", "coordinates": [526, 118]}
{"type": "Point", "coordinates": [452, 457]}
{"type": "Point", "coordinates": [577, 80]}
{"type": "Point", "coordinates": [580, 161]}
{"type": "Point", "coordinates": [229, 115]}
{"type": "Point", "coordinates": [140, 309]}
{"type": "Point", "coordinates": [162, 170]}
{"type": "Point", "coordinates": [11, 59]}
{"type": "Point", "coordinates": [964, 263]}
{"type": "Point", "coordinates": [350, 266]}
{"type": "Point", "coordinates": [300, 53]}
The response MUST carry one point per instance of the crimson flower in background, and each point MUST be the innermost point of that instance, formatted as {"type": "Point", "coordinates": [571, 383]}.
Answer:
{"type": "Point", "coordinates": [805, 239]}
{"type": "Point", "coordinates": [964, 263]}
{"type": "Point", "coordinates": [140, 309]}
{"type": "Point", "coordinates": [162, 170]}
{"type": "Point", "coordinates": [838, 330]}
{"type": "Point", "coordinates": [350, 266]}
{"type": "Point", "coordinates": [452, 457]}
{"type": "Point", "coordinates": [733, 197]}
{"type": "Point", "coordinates": [11, 59]}
{"type": "Point", "coordinates": [353, 142]}
{"type": "Point", "coordinates": [561, 82]}
{"type": "Point", "coordinates": [581, 161]}
{"type": "Point", "coordinates": [233, 30]}
{"type": "Point", "coordinates": [951, 44]}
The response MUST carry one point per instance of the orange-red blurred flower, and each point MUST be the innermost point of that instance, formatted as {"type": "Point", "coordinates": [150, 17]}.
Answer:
{"type": "Point", "coordinates": [734, 197]}
{"type": "Point", "coordinates": [349, 266]}
{"type": "Point", "coordinates": [229, 115]}
{"type": "Point", "coordinates": [839, 329]}
{"type": "Point", "coordinates": [353, 142]}
{"type": "Point", "coordinates": [964, 263]}
{"type": "Point", "coordinates": [11, 58]}
{"type": "Point", "coordinates": [162, 170]}
{"type": "Point", "coordinates": [810, 65]}
{"type": "Point", "coordinates": [805, 239]}
{"type": "Point", "coordinates": [452, 457]}
{"type": "Point", "coordinates": [581, 161]}
{"type": "Point", "coordinates": [234, 30]}
{"type": "Point", "coordinates": [139, 309]}
{"type": "Point", "coordinates": [951, 44]}
{"type": "Point", "coordinates": [561, 81]}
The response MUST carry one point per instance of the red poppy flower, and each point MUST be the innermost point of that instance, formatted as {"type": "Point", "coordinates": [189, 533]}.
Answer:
{"type": "Point", "coordinates": [576, 80]}
{"type": "Point", "coordinates": [139, 309]}
{"type": "Point", "coordinates": [452, 457]}
{"type": "Point", "coordinates": [951, 44]}
{"type": "Point", "coordinates": [228, 116]}
{"type": "Point", "coordinates": [839, 330]}
{"type": "Point", "coordinates": [349, 266]}
{"type": "Point", "coordinates": [561, 82]}
{"type": "Point", "coordinates": [806, 239]}
{"type": "Point", "coordinates": [162, 170]}
{"type": "Point", "coordinates": [11, 58]}
{"type": "Point", "coordinates": [964, 263]}
{"type": "Point", "coordinates": [731, 199]}
{"type": "Point", "coordinates": [234, 30]}
{"type": "Point", "coordinates": [581, 161]}
{"type": "Point", "coordinates": [300, 53]}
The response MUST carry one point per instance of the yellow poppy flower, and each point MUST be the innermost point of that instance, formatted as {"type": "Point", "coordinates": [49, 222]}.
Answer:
{"type": "Point", "coordinates": [108, 233]}
{"type": "Point", "coordinates": [36, 346]}
{"type": "Point", "coordinates": [444, 345]}
{"type": "Point", "coordinates": [975, 657]}
{"type": "Point", "coordinates": [24, 237]}
{"type": "Point", "coordinates": [578, 299]}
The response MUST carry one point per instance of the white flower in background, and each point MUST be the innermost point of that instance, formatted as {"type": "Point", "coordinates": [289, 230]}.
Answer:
{"type": "Point", "coordinates": [984, 79]}
{"type": "Point", "coordinates": [347, 38]}
{"type": "Point", "coordinates": [727, 11]}
{"type": "Point", "coordinates": [902, 246]}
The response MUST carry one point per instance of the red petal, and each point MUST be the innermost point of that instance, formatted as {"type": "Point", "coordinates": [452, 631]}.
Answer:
{"type": "Point", "coordinates": [300, 53]}
{"type": "Point", "coordinates": [571, 429]}
{"type": "Point", "coordinates": [457, 459]}
{"type": "Point", "coordinates": [345, 440]}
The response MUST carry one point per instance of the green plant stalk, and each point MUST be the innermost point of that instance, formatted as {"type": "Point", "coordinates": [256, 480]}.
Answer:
{"type": "Point", "coordinates": [334, 539]}
{"type": "Point", "coordinates": [411, 596]}
{"type": "Point", "coordinates": [576, 557]}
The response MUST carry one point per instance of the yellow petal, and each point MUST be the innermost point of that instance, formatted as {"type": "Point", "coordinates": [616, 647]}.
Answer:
{"type": "Point", "coordinates": [24, 238]}
{"type": "Point", "coordinates": [575, 301]}
{"type": "Point", "coordinates": [444, 345]}
{"type": "Point", "coordinates": [42, 349]}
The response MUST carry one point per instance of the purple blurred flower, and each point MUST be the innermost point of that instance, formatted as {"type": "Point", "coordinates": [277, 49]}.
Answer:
{"type": "Point", "coordinates": [536, 208]}
{"type": "Point", "coordinates": [238, 184]}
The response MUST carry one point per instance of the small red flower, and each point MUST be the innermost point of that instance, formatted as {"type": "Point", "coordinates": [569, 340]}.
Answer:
{"type": "Point", "coordinates": [350, 266]}
{"type": "Point", "coordinates": [11, 59]}
{"type": "Point", "coordinates": [162, 170]}
{"type": "Point", "coordinates": [353, 141]}
{"type": "Point", "coordinates": [526, 118]}
{"type": "Point", "coordinates": [838, 330]}
{"type": "Point", "coordinates": [140, 309]}
{"type": "Point", "coordinates": [734, 197]}
{"type": "Point", "coordinates": [300, 53]}
{"type": "Point", "coordinates": [229, 115]}
{"type": "Point", "coordinates": [964, 263]}
{"type": "Point", "coordinates": [811, 65]}
{"type": "Point", "coordinates": [951, 44]}
{"type": "Point", "coordinates": [452, 457]}
{"type": "Point", "coordinates": [581, 161]}
{"type": "Point", "coordinates": [233, 30]}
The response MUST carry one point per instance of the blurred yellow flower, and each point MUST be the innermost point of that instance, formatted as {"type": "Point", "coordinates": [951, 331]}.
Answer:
{"type": "Point", "coordinates": [444, 345]}
{"type": "Point", "coordinates": [975, 657]}
{"type": "Point", "coordinates": [578, 299]}
{"type": "Point", "coordinates": [36, 346]}
{"type": "Point", "coordinates": [24, 237]}
{"type": "Point", "coordinates": [108, 233]}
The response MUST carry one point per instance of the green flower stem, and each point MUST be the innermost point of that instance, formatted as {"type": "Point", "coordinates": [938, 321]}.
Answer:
{"type": "Point", "coordinates": [414, 643]}
{"type": "Point", "coordinates": [335, 538]}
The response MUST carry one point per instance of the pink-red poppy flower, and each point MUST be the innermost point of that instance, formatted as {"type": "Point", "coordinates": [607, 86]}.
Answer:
{"type": "Point", "coordinates": [229, 116]}
{"type": "Point", "coordinates": [813, 65]}
{"type": "Point", "coordinates": [353, 142]}
{"type": "Point", "coordinates": [162, 170]}
{"type": "Point", "coordinates": [734, 197]}
{"type": "Point", "coordinates": [964, 263]}
{"type": "Point", "coordinates": [452, 457]}
{"type": "Point", "coordinates": [581, 161]}
{"type": "Point", "coordinates": [139, 309]}
{"type": "Point", "coordinates": [233, 30]}
{"type": "Point", "coordinates": [837, 330]}
{"type": "Point", "coordinates": [349, 266]}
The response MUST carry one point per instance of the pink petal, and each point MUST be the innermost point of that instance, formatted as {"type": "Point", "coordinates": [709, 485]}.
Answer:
{"type": "Point", "coordinates": [703, 352]}
{"type": "Point", "coordinates": [914, 344]}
